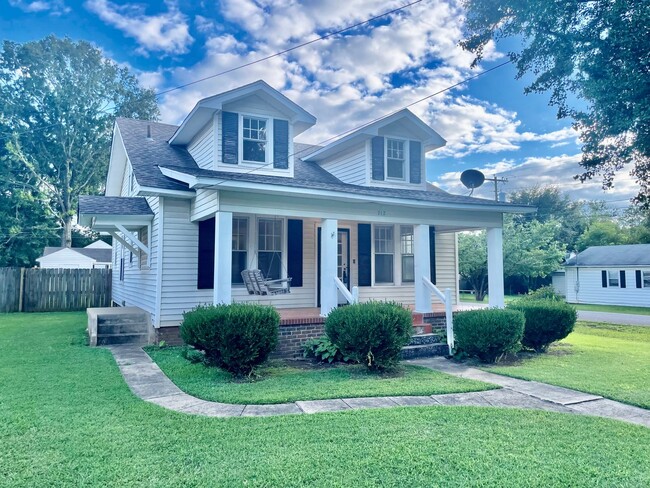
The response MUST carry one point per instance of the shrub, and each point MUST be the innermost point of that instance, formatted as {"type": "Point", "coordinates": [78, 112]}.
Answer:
{"type": "Point", "coordinates": [488, 334]}
{"type": "Point", "coordinates": [235, 337]}
{"type": "Point", "coordinates": [543, 293]}
{"type": "Point", "coordinates": [547, 321]}
{"type": "Point", "coordinates": [371, 333]}
{"type": "Point", "coordinates": [324, 351]}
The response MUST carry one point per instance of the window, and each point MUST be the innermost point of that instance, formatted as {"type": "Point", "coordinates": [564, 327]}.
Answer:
{"type": "Point", "coordinates": [395, 159]}
{"type": "Point", "coordinates": [254, 140]}
{"type": "Point", "coordinates": [612, 278]}
{"type": "Point", "coordinates": [384, 251]}
{"type": "Point", "coordinates": [143, 236]}
{"type": "Point", "coordinates": [646, 279]}
{"type": "Point", "coordinates": [269, 248]}
{"type": "Point", "coordinates": [239, 248]}
{"type": "Point", "coordinates": [406, 247]}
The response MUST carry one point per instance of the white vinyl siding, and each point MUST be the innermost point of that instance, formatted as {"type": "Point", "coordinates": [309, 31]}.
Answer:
{"type": "Point", "coordinates": [205, 204]}
{"type": "Point", "coordinates": [589, 288]}
{"type": "Point", "coordinates": [202, 147]}
{"type": "Point", "coordinates": [349, 166]}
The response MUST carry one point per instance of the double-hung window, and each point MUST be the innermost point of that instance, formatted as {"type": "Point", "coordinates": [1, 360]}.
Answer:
{"type": "Point", "coordinates": [269, 248]}
{"type": "Point", "coordinates": [254, 139]}
{"type": "Point", "coordinates": [384, 253]}
{"type": "Point", "coordinates": [239, 248]}
{"type": "Point", "coordinates": [406, 248]}
{"type": "Point", "coordinates": [395, 159]}
{"type": "Point", "coordinates": [612, 278]}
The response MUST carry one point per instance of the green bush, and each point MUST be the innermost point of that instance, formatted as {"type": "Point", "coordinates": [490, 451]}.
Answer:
{"type": "Point", "coordinates": [547, 321]}
{"type": "Point", "coordinates": [323, 350]}
{"type": "Point", "coordinates": [234, 337]}
{"type": "Point", "coordinates": [371, 333]}
{"type": "Point", "coordinates": [543, 293]}
{"type": "Point", "coordinates": [488, 334]}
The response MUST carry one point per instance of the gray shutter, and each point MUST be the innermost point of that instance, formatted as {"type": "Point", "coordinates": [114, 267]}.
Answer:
{"type": "Point", "coordinates": [639, 281]}
{"type": "Point", "coordinates": [623, 284]}
{"type": "Point", "coordinates": [294, 251]}
{"type": "Point", "coordinates": [230, 137]}
{"type": "Point", "coordinates": [415, 161]}
{"type": "Point", "coordinates": [364, 256]}
{"type": "Point", "coordinates": [377, 147]}
{"type": "Point", "coordinates": [205, 276]}
{"type": "Point", "coordinates": [603, 278]}
{"type": "Point", "coordinates": [280, 144]}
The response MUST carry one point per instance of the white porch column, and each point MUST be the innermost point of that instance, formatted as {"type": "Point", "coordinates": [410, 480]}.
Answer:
{"type": "Point", "coordinates": [328, 257]}
{"type": "Point", "coordinates": [223, 258]}
{"type": "Point", "coordinates": [422, 268]}
{"type": "Point", "coordinates": [495, 267]}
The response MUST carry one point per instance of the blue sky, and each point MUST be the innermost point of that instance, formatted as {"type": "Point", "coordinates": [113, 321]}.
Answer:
{"type": "Point", "coordinates": [489, 123]}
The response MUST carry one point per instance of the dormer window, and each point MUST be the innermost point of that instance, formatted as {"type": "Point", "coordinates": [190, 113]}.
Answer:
{"type": "Point", "coordinates": [254, 139]}
{"type": "Point", "coordinates": [395, 159]}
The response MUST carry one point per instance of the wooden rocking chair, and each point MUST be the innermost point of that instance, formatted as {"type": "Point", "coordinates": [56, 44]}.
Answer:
{"type": "Point", "coordinates": [256, 284]}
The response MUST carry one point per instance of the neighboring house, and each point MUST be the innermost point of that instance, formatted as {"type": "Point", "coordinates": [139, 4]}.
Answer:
{"type": "Point", "coordinates": [558, 281]}
{"type": "Point", "coordinates": [95, 255]}
{"type": "Point", "coordinates": [610, 275]}
{"type": "Point", "coordinates": [191, 207]}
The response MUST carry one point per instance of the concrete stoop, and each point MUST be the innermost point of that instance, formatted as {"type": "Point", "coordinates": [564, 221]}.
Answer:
{"type": "Point", "coordinates": [425, 345]}
{"type": "Point", "coordinates": [119, 325]}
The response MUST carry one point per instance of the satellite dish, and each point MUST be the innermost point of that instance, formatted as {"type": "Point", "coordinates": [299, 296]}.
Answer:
{"type": "Point", "coordinates": [472, 178]}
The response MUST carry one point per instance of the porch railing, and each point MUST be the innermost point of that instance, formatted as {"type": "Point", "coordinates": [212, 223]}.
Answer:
{"type": "Point", "coordinates": [445, 298]}
{"type": "Point", "coordinates": [350, 297]}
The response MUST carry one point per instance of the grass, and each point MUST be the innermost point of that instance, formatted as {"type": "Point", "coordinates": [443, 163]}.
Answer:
{"type": "Point", "coordinates": [469, 297]}
{"type": "Point", "coordinates": [608, 360]}
{"type": "Point", "coordinates": [612, 308]}
{"type": "Point", "coordinates": [68, 419]}
{"type": "Point", "coordinates": [280, 382]}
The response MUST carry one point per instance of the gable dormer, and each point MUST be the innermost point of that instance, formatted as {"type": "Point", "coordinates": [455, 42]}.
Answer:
{"type": "Point", "coordinates": [387, 153]}
{"type": "Point", "coordinates": [247, 129]}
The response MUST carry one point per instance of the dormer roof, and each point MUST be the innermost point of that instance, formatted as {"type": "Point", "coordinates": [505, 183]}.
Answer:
{"type": "Point", "coordinates": [204, 110]}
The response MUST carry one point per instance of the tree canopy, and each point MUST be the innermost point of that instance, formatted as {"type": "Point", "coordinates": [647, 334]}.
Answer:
{"type": "Point", "coordinates": [593, 57]}
{"type": "Point", "coordinates": [58, 102]}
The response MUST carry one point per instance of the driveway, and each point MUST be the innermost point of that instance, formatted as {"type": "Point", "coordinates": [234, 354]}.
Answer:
{"type": "Point", "coordinates": [615, 318]}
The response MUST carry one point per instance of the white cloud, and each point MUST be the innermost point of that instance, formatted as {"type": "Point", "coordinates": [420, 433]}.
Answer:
{"type": "Point", "coordinates": [53, 7]}
{"type": "Point", "coordinates": [166, 32]}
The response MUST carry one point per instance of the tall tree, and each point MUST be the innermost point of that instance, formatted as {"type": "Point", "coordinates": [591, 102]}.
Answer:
{"type": "Point", "coordinates": [595, 51]}
{"type": "Point", "coordinates": [58, 102]}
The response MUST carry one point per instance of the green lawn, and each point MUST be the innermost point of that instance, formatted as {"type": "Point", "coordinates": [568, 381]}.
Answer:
{"type": "Point", "coordinates": [68, 419]}
{"type": "Point", "coordinates": [279, 383]}
{"type": "Point", "coordinates": [468, 297]}
{"type": "Point", "coordinates": [612, 308]}
{"type": "Point", "coordinates": [604, 359]}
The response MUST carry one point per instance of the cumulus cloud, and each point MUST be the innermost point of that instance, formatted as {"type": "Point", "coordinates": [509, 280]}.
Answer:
{"type": "Point", "coordinates": [53, 7]}
{"type": "Point", "coordinates": [166, 32]}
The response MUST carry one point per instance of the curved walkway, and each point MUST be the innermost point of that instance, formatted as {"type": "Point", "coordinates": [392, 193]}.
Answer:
{"type": "Point", "coordinates": [147, 381]}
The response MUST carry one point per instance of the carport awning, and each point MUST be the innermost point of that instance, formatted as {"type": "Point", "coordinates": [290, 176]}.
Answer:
{"type": "Point", "coordinates": [118, 216]}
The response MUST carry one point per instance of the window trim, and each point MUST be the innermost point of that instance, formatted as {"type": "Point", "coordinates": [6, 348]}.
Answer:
{"type": "Point", "coordinates": [402, 254]}
{"type": "Point", "coordinates": [643, 278]}
{"type": "Point", "coordinates": [610, 281]}
{"type": "Point", "coordinates": [405, 142]}
{"type": "Point", "coordinates": [268, 150]}
{"type": "Point", "coordinates": [374, 259]}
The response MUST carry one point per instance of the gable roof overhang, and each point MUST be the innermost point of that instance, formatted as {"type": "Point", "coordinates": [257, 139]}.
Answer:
{"type": "Point", "coordinates": [204, 110]}
{"type": "Point", "coordinates": [429, 137]}
{"type": "Point", "coordinates": [203, 179]}
{"type": "Point", "coordinates": [106, 213]}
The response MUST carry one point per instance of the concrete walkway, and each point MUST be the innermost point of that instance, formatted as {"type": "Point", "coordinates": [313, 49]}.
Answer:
{"type": "Point", "coordinates": [615, 318]}
{"type": "Point", "coordinates": [147, 381]}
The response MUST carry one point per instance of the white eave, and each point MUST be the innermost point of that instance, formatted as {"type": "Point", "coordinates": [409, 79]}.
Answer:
{"type": "Point", "coordinates": [277, 189]}
{"type": "Point", "coordinates": [203, 111]}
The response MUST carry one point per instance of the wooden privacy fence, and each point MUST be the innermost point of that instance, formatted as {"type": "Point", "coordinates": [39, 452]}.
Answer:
{"type": "Point", "coordinates": [53, 290]}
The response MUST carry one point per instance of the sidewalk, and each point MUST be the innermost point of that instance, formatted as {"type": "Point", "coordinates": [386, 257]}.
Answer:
{"type": "Point", "coordinates": [147, 381]}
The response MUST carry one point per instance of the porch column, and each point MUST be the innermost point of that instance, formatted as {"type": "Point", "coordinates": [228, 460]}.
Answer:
{"type": "Point", "coordinates": [328, 257]}
{"type": "Point", "coordinates": [495, 267]}
{"type": "Point", "coordinates": [222, 257]}
{"type": "Point", "coordinates": [422, 268]}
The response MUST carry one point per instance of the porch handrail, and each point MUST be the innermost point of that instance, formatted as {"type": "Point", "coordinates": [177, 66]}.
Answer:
{"type": "Point", "coordinates": [350, 297]}
{"type": "Point", "coordinates": [445, 298]}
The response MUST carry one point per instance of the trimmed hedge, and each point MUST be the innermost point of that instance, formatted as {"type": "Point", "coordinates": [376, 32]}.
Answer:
{"type": "Point", "coordinates": [372, 333]}
{"type": "Point", "coordinates": [235, 337]}
{"type": "Point", "coordinates": [488, 334]}
{"type": "Point", "coordinates": [547, 321]}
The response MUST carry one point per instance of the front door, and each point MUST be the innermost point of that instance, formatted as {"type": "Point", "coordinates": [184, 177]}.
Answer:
{"type": "Point", "coordinates": [342, 263]}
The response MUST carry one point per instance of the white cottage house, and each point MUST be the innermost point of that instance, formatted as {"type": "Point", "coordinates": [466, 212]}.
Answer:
{"type": "Point", "coordinates": [192, 207]}
{"type": "Point", "coordinates": [609, 275]}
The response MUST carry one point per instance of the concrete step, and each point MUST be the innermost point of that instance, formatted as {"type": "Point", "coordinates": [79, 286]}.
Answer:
{"type": "Point", "coordinates": [113, 339]}
{"type": "Point", "coordinates": [421, 339]}
{"type": "Point", "coordinates": [139, 327]}
{"type": "Point", "coordinates": [123, 318]}
{"type": "Point", "coordinates": [425, 351]}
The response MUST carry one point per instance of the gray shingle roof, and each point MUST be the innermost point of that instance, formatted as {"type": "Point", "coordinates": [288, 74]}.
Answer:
{"type": "Point", "coordinates": [99, 255]}
{"type": "Point", "coordinates": [626, 255]}
{"type": "Point", "coordinates": [147, 155]}
{"type": "Point", "coordinates": [98, 205]}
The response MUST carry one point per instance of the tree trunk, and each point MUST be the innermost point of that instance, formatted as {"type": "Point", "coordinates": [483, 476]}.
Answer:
{"type": "Point", "coordinates": [66, 236]}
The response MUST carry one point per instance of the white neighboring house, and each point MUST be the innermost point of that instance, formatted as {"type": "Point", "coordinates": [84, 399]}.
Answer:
{"type": "Point", "coordinates": [95, 255]}
{"type": "Point", "coordinates": [610, 275]}
{"type": "Point", "coordinates": [192, 206]}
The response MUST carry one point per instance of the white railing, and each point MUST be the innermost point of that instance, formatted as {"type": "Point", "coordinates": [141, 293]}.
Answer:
{"type": "Point", "coordinates": [350, 297]}
{"type": "Point", "coordinates": [445, 298]}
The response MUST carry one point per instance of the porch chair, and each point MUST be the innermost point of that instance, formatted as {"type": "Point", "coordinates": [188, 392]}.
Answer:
{"type": "Point", "coordinates": [256, 284]}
